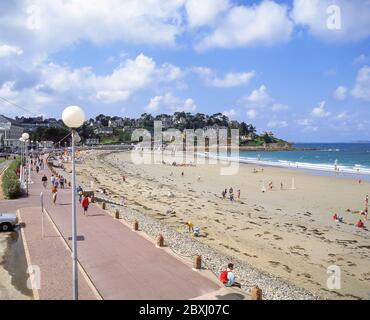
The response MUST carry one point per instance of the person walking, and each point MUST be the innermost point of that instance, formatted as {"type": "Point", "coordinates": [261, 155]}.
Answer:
{"type": "Point", "coordinates": [85, 204]}
{"type": "Point", "coordinates": [54, 192]}
{"type": "Point", "coordinates": [44, 180]}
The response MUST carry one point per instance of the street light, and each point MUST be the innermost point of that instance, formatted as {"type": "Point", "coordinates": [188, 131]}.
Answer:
{"type": "Point", "coordinates": [21, 140]}
{"type": "Point", "coordinates": [74, 117]}
{"type": "Point", "coordinates": [25, 137]}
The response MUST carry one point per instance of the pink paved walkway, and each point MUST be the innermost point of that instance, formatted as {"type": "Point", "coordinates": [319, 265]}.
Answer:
{"type": "Point", "coordinates": [121, 263]}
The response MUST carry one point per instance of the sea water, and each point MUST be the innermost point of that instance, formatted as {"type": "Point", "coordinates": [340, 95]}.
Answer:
{"type": "Point", "coordinates": [347, 158]}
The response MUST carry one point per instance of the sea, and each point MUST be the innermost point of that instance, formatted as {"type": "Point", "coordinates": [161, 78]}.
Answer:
{"type": "Point", "coordinates": [352, 159]}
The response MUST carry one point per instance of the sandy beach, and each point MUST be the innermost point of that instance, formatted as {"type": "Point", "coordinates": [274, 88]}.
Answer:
{"type": "Point", "coordinates": [286, 232]}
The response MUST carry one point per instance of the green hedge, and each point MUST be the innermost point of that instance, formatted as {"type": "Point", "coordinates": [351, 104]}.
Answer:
{"type": "Point", "coordinates": [10, 181]}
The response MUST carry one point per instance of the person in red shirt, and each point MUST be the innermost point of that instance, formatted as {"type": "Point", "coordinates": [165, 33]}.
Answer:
{"type": "Point", "coordinates": [85, 204]}
{"type": "Point", "coordinates": [360, 224]}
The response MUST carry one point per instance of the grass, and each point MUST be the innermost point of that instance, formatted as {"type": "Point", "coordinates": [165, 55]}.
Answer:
{"type": "Point", "coordinates": [10, 182]}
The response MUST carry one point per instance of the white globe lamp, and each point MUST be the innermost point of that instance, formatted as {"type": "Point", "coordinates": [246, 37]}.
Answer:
{"type": "Point", "coordinates": [73, 117]}
{"type": "Point", "coordinates": [25, 136]}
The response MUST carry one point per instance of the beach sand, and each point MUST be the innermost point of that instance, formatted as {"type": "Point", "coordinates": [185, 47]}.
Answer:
{"type": "Point", "coordinates": [287, 233]}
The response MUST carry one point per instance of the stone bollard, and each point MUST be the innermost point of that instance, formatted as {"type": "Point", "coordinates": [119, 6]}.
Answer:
{"type": "Point", "coordinates": [160, 241]}
{"type": "Point", "coordinates": [103, 205]}
{"type": "Point", "coordinates": [197, 262]}
{"type": "Point", "coordinates": [117, 214]}
{"type": "Point", "coordinates": [256, 293]}
{"type": "Point", "coordinates": [136, 225]}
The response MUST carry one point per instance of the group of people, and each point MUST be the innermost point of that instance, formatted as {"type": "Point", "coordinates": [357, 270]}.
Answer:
{"type": "Point", "coordinates": [360, 224]}
{"type": "Point", "coordinates": [230, 194]}
{"type": "Point", "coordinates": [83, 199]}
{"type": "Point", "coordinates": [37, 163]}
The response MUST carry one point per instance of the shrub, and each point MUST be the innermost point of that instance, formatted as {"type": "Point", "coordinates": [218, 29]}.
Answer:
{"type": "Point", "coordinates": [10, 182]}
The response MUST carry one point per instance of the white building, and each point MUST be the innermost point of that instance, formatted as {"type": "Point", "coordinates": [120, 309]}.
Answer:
{"type": "Point", "coordinates": [10, 132]}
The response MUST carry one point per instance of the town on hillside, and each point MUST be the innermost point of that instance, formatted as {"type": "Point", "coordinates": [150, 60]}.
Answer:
{"type": "Point", "coordinates": [112, 130]}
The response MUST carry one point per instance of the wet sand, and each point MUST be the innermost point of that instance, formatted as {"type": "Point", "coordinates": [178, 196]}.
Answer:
{"type": "Point", "coordinates": [288, 233]}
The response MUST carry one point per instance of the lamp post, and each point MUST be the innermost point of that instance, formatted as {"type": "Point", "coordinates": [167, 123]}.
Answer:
{"type": "Point", "coordinates": [25, 137]}
{"type": "Point", "coordinates": [21, 170]}
{"type": "Point", "coordinates": [74, 117]}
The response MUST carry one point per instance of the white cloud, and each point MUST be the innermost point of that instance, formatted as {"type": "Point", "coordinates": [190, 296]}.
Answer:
{"type": "Point", "coordinates": [187, 106]}
{"type": "Point", "coordinates": [342, 116]}
{"type": "Point", "coordinates": [264, 24]}
{"type": "Point", "coordinates": [251, 114]}
{"type": "Point", "coordinates": [230, 113]}
{"type": "Point", "coordinates": [277, 124]}
{"type": "Point", "coordinates": [63, 23]}
{"type": "Point", "coordinates": [353, 22]}
{"type": "Point", "coordinates": [361, 89]}
{"type": "Point", "coordinates": [231, 79]}
{"type": "Point", "coordinates": [204, 12]}
{"type": "Point", "coordinates": [279, 107]}
{"type": "Point", "coordinates": [259, 96]}
{"type": "Point", "coordinates": [320, 111]}
{"type": "Point", "coordinates": [170, 102]}
{"type": "Point", "coordinates": [6, 50]}
{"type": "Point", "coordinates": [340, 93]}
{"type": "Point", "coordinates": [54, 84]}
{"type": "Point", "coordinates": [154, 104]}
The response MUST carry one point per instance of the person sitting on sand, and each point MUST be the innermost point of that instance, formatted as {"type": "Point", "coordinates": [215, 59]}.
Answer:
{"type": "Point", "coordinates": [227, 277]}
{"type": "Point", "coordinates": [360, 224]}
{"type": "Point", "coordinates": [335, 217]}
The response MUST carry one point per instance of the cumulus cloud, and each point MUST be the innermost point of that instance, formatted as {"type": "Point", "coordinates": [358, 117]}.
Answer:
{"type": "Point", "coordinates": [205, 12]}
{"type": "Point", "coordinates": [170, 102]}
{"type": "Point", "coordinates": [340, 93]}
{"type": "Point", "coordinates": [53, 84]}
{"type": "Point", "coordinates": [47, 26]}
{"type": "Point", "coordinates": [231, 79]}
{"type": "Point", "coordinates": [7, 50]}
{"type": "Point", "coordinates": [230, 113]}
{"type": "Point", "coordinates": [338, 21]}
{"type": "Point", "coordinates": [266, 23]}
{"type": "Point", "coordinates": [259, 96]}
{"type": "Point", "coordinates": [320, 111]}
{"type": "Point", "coordinates": [361, 89]}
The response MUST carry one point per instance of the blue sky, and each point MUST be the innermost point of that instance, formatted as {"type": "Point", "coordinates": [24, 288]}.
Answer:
{"type": "Point", "coordinates": [299, 68]}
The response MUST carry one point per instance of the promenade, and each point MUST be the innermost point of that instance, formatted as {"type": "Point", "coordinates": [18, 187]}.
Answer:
{"type": "Point", "coordinates": [115, 261]}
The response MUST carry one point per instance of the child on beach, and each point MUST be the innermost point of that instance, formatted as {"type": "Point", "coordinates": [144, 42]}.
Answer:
{"type": "Point", "coordinates": [190, 226]}
{"type": "Point", "coordinates": [360, 224]}
{"type": "Point", "coordinates": [227, 277]}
